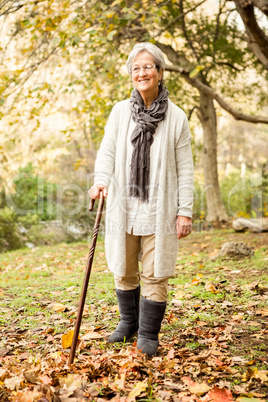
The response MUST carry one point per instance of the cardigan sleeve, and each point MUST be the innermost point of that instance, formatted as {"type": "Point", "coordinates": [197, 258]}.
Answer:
{"type": "Point", "coordinates": [105, 161]}
{"type": "Point", "coordinates": [185, 171]}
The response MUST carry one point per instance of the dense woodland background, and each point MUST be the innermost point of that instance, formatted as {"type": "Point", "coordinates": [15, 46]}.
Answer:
{"type": "Point", "coordinates": [63, 68]}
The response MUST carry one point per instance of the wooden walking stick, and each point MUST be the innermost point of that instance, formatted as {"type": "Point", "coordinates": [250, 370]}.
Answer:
{"type": "Point", "coordinates": [87, 275]}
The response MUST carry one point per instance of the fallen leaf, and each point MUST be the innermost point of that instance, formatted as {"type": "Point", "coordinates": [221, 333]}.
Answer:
{"type": "Point", "coordinates": [178, 303]}
{"type": "Point", "coordinates": [70, 289]}
{"type": "Point", "coordinates": [195, 387]}
{"type": "Point", "coordinates": [71, 381]}
{"type": "Point", "coordinates": [214, 253]}
{"type": "Point", "coordinates": [240, 390]}
{"type": "Point", "coordinates": [13, 383]}
{"type": "Point", "coordinates": [216, 353]}
{"type": "Point", "coordinates": [201, 323]}
{"type": "Point", "coordinates": [171, 354]}
{"type": "Point", "coordinates": [224, 267]}
{"type": "Point", "coordinates": [56, 292]}
{"type": "Point", "coordinates": [3, 374]}
{"type": "Point", "coordinates": [119, 382]}
{"type": "Point", "coordinates": [262, 311]}
{"type": "Point", "coordinates": [257, 336]}
{"type": "Point", "coordinates": [179, 294]}
{"type": "Point", "coordinates": [30, 376]}
{"type": "Point", "coordinates": [226, 303]}
{"type": "Point", "coordinates": [4, 351]}
{"type": "Point", "coordinates": [94, 391]}
{"type": "Point", "coordinates": [45, 379]}
{"type": "Point", "coordinates": [196, 280]}
{"type": "Point", "coordinates": [255, 323]}
{"type": "Point", "coordinates": [91, 335]}
{"type": "Point", "coordinates": [59, 307]}
{"type": "Point", "coordinates": [204, 245]}
{"type": "Point", "coordinates": [261, 375]}
{"type": "Point", "coordinates": [238, 317]}
{"type": "Point", "coordinates": [239, 360]}
{"type": "Point", "coordinates": [219, 395]}
{"type": "Point", "coordinates": [250, 373]}
{"type": "Point", "coordinates": [66, 340]}
{"type": "Point", "coordinates": [50, 338]}
{"type": "Point", "coordinates": [138, 388]}
{"type": "Point", "coordinates": [28, 396]}
{"type": "Point", "coordinates": [209, 287]}
{"type": "Point", "coordinates": [252, 285]}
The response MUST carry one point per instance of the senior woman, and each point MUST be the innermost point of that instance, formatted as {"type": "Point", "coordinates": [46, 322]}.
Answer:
{"type": "Point", "coordinates": [145, 169]}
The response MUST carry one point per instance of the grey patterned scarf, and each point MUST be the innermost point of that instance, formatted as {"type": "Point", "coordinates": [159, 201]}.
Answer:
{"type": "Point", "coordinates": [142, 138]}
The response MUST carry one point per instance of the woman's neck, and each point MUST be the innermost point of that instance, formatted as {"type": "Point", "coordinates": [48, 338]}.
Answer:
{"type": "Point", "coordinates": [149, 98]}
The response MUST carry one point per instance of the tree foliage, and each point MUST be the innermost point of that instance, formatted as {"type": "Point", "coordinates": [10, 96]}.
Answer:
{"type": "Point", "coordinates": [69, 56]}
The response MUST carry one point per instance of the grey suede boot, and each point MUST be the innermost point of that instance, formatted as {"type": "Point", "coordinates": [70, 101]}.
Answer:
{"type": "Point", "coordinates": [151, 316]}
{"type": "Point", "coordinates": [128, 302]}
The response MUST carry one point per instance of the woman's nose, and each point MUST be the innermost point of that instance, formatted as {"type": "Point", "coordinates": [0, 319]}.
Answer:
{"type": "Point", "coordinates": [142, 72]}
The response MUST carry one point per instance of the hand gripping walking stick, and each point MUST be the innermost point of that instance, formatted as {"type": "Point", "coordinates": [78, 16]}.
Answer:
{"type": "Point", "coordinates": [87, 275]}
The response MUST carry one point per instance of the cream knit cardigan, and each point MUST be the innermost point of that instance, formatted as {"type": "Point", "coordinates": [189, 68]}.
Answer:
{"type": "Point", "coordinates": [175, 186]}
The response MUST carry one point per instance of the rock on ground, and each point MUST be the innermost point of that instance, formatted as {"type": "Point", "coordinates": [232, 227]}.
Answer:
{"type": "Point", "coordinates": [254, 225]}
{"type": "Point", "coordinates": [235, 250]}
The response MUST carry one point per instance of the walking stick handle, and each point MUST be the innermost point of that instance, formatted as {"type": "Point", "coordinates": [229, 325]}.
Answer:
{"type": "Point", "coordinates": [92, 201]}
{"type": "Point", "coordinates": [87, 275]}
{"type": "Point", "coordinates": [91, 204]}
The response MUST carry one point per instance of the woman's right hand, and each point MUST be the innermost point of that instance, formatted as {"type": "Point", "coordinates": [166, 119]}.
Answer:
{"type": "Point", "coordinates": [94, 191]}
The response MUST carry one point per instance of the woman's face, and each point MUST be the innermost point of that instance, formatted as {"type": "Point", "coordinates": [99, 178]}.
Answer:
{"type": "Point", "coordinates": [146, 81]}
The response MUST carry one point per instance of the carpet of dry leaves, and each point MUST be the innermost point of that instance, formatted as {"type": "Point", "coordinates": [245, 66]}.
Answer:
{"type": "Point", "coordinates": [212, 346]}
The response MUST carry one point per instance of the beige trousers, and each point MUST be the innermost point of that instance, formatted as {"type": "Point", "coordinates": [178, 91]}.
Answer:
{"type": "Point", "coordinates": [152, 288]}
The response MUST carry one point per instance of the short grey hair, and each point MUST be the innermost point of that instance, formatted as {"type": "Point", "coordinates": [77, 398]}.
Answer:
{"type": "Point", "coordinates": [157, 54]}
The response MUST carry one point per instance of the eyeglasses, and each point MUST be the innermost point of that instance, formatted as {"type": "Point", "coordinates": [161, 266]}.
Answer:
{"type": "Point", "coordinates": [136, 69]}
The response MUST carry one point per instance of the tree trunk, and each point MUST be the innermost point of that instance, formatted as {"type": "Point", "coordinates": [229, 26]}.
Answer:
{"type": "Point", "coordinates": [207, 116]}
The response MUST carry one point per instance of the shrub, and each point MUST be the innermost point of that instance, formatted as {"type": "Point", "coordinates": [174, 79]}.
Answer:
{"type": "Point", "coordinates": [9, 235]}
{"type": "Point", "coordinates": [33, 195]}
{"type": "Point", "coordinates": [27, 221]}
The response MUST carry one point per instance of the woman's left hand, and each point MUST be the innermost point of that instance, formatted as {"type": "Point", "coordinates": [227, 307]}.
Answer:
{"type": "Point", "coordinates": [184, 226]}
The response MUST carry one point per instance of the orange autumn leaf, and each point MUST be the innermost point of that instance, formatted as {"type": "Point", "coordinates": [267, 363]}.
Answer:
{"type": "Point", "coordinates": [211, 288]}
{"type": "Point", "coordinates": [220, 395]}
{"type": "Point", "coordinates": [66, 340]}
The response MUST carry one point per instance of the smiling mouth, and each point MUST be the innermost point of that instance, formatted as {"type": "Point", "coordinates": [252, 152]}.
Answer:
{"type": "Point", "coordinates": [143, 80]}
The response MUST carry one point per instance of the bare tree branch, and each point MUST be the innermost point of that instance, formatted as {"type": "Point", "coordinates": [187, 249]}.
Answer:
{"type": "Point", "coordinates": [10, 6]}
{"type": "Point", "coordinates": [195, 82]}
{"type": "Point", "coordinates": [176, 58]}
{"type": "Point", "coordinates": [258, 40]}
{"type": "Point", "coordinates": [191, 112]}
{"type": "Point", "coordinates": [262, 5]}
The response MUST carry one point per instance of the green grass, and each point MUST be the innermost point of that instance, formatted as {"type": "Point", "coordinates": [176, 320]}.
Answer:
{"type": "Point", "coordinates": [32, 281]}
